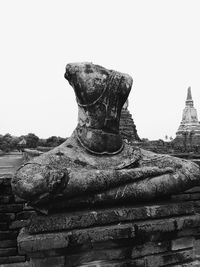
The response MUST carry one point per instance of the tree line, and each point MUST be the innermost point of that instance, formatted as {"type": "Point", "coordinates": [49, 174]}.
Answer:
{"type": "Point", "coordinates": [9, 143]}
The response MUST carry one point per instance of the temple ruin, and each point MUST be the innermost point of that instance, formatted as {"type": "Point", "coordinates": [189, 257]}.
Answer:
{"type": "Point", "coordinates": [127, 126]}
{"type": "Point", "coordinates": [188, 134]}
{"type": "Point", "coordinates": [101, 201]}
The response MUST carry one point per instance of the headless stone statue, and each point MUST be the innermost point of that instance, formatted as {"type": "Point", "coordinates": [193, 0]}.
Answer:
{"type": "Point", "coordinates": [94, 166]}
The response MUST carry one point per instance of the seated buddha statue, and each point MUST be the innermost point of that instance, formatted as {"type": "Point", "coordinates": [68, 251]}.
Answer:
{"type": "Point", "coordinates": [95, 166]}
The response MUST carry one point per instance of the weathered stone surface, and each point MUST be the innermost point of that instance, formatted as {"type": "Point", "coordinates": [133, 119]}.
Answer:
{"type": "Point", "coordinates": [50, 262]}
{"type": "Point", "coordinates": [127, 127]}
{"type": "Point", "coordinates": [25, 214]}
{"type": "Point", "coordinates": [3, 226]}
{"type": "Point", "coordinates": [150, 248]}
{"type": "Point", "coordinates": [195, 189]}
{"type": "Point", "coordinates": [7, 252]}
{"type": "Point", "coordinates": [42, 242]}
{"type": "Point", "coordinates": [131, 263]}
{"type": "Point", "coordinates": [8, 235]}
{"type": "Point", "coordinates": [21, 264]}
{"type": "Point", "coordinates": [169, 258]}
{"type": "Point", "coordinates": [117, 254]}
{"type": "Point", "coordinates": [11, 259]}
{"type": "Point", "coordinates": [34, 243]}
{"type": "Point", "coordinates": [195, 263]}
{"type": "Point", "coordinates": [164, 237]}
{"type": "Point", "coordinates": [8, 243]}
{"type": "Point", "coordinates": [18, 224]}
{"type": "Point", "coordinates": [183, 243]}
{"type": "Point", "coordinates": [185, 197]}
{"type": "Point", "coordinates": [105, 255]}
{"type": "Point", "coordinates": [75, 220]}
{"type": "Point", "coordinates": [187, 222]}
{"type": "Point", "coordinates": [94, 165]}
{"type": "Point", "coordinates": [8, 208]}
{"type": "Point", "coordinates": [5, 199]}
{"type": "Point", "coordinates": [6, 217]}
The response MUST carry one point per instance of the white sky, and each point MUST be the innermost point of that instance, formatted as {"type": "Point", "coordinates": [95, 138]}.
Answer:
{"type": "Point", "coordinates": [156, 42]}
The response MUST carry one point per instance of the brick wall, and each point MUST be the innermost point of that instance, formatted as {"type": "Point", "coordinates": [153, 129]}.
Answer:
{"type": "Point", "coordinates": [162, 233]}
{"type": "Point", "coordinates": [14, 214]}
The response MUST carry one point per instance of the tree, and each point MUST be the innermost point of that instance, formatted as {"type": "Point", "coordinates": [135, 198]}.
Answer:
{"type": "Point", "coordinates": [54, 141]}
{"type": "Point", "coordinates": [6, 143]}
{"type": "Point", "coordinates": [31, 140]}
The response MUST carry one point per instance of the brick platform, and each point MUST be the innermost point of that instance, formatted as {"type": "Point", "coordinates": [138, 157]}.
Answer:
{"type": "Point", "coordinates": [14, 214]}
{"type": "Point", "coordinates": [146, 235]}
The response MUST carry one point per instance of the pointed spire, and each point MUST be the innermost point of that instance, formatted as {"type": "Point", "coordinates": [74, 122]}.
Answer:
{"type": "Point", "coordinates": [189, 94]}
{"type": "Point", "coordinates": [189, 101]}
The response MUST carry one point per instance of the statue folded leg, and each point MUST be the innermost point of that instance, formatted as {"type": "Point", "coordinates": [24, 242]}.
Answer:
{"type": "Point", "coordinates": [94, 165]}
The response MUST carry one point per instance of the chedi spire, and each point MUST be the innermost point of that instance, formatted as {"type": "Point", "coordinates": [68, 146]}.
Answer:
{"type": "Point", "coordinates": [188, 134]}
{"type": "Point", "coordinates": [189, 101]}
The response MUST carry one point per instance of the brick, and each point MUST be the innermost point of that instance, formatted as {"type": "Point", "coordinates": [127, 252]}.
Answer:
{"type": "Point", "coordinates": [3, 226]}
{"type": "Point", "coordinates": [195, 196]}
{"type": "Point", "coordinates": [6, 217]}
{"type": "Point", "coordinates": [98, 255]}
{"type": "Point", "coordinates": [188, 196]}
{"type": "Point", "coordinates": [50, 262]}
{"type": "Point", "coordinates": [188, 222]}
{"type": "Point", "coordinates": [195, 189]}
{"type": "Point", "coordinates": [29, 244]}
{"type": "Point", "coordinates": [5, 190]}
{"type": "Point", "coordinates": [19, 200]}
{"type": "Point", "coordinates": [169, 258]}
{"type": "Point", "coordinates": [197, 248]}
{"type": "Point", "coordinates": [8, 252]}
{"type": "Point", "coordinates": [197, 203]}
{"type": "Point", "coordinates": [24, 215]}
{"type": "Point", "coordinates": [8, 235]}
{"type": "Point", "coordinates": [150, 248]}
{"type": "Point", "coordinates": [11, 259]}
{"type": "Point", "coordinates": [75, 220]}
{"type": "Point", "coordinates": [5, 199]}
{"type": "Point", "coordinates": [183, 197]}
{"type": "Point", "coordinates": [27, 207]}
{"type": "Point", "coordinates": [188, 232]}
{"type": "Point", "coordinates": [148, 227]}
{"type": "Point", "coordinates": [21, 264]}
{"type": "Point", "coordinates": [103, 233]}
{"type": "Point", "coordinates": [195, 263]}
{"type": "Point", "coordinates": [5, 181]}
{"type": "Point", "coordinates": [8, 243]}
{"type": "Point", "coordinates": [11, 208]}
{"type": "Point", "coordinates": [183, 243]}
{"type": "Point", "coordinates": [18, 224]}
{"type": "Point", "coordinates": [127, 263]}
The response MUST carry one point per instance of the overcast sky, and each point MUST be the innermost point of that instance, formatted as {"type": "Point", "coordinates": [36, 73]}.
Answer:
{"type": "Point", "coordinates": [156, 42]}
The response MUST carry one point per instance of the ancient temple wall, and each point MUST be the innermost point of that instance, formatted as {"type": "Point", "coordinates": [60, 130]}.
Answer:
{"type": "Point", "coordinates": [14, 215]}
{"type": "Point", "coordinates": [160, 233]}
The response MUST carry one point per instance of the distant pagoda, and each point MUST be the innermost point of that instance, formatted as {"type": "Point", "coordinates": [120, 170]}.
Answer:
{"type": "Point", "coordinates": [188, 134]}
{"type": "Point", "coordinates": [127, 126]}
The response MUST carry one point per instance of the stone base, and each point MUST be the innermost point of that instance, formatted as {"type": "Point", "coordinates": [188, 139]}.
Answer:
{"type": "Point", "coordinates": [153, 235]}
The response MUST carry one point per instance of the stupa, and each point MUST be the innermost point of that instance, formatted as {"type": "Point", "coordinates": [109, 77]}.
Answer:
{"type": "Point", "coordinates": [188, 134]}
{"type": "Point", "coordinates": [127, 126]}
